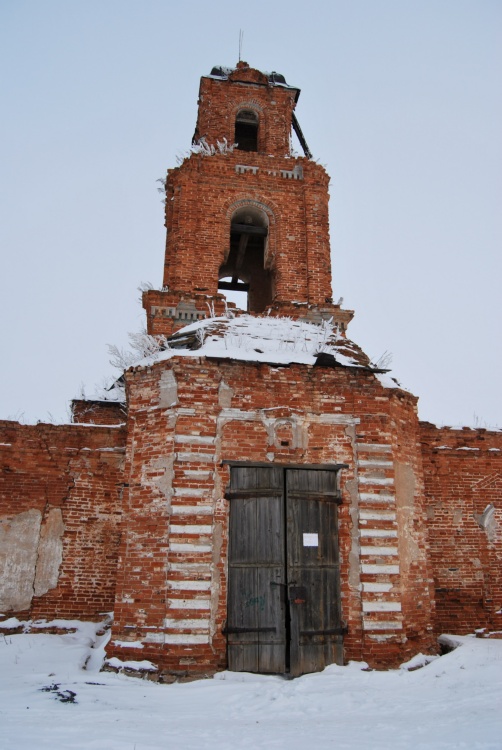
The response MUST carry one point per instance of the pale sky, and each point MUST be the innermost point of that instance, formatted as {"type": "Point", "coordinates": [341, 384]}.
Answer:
{"type": "Point", "coordinates": [401, 101]}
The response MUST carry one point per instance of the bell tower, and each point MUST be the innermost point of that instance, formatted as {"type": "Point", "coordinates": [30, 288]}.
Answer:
{"type": "Point", "coordinates": [243, 212]}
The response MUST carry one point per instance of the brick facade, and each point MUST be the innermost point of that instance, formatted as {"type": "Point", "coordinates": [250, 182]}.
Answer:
{"type": "Point", "coordinates": [176, 513]}
{"type": "Point", "coordinates": [128, 510]}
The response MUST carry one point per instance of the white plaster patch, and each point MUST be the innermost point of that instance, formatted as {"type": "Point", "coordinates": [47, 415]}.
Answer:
{"type": "Point", "coordinates": [168, 390]}
{"type": "Point", "coordinates": [380, 569]}
{"type": "Point", "coordinates": [374, 447]}
{"type": "Point", "coordinates": [50, 552]}
{"type": "Point", "coordinates": [190, 492]}
{"type": "Point", "coordinates": [369, 479]}
{"type": "Point", "coordinates": [189, 603]}
{"type": "Point", "coordinates": [190, 549]}
{"type": "Point", "coordinates": [187, 639]}
{"type": "Point", "coordinates": [155, 638]}
{"type": "Point", "coordinates": [375, 463]}
{"type": "Point", "coordinates": [373, 497]}
{"type": "Point", "coordinates": [198, 568]}
{"type": "Point", "coordinates": [194, 439]}
{"type": "Point", "coordinates": [188, 529]}
{"type": "Point", "coordinates": [377, 515]}
{"type": "Point", "coordinates": [172, 622]}
{"type": "Point", "coordinates": [377, 587]}
{"type": "Point", "coordinates": [19, 537]}
{"type": "Point", "coordinates": [191, 510]}
{"type": "Point", "coordinates": [190, 585]}
{"type": "Point", "coordinates": [196, 458]}
{"type": "Point", "coordinates": [379, 551]}
{"type": "Point", "coordinates": [381, 625]}
{"type": "Point", "coordinates": [381, 607]}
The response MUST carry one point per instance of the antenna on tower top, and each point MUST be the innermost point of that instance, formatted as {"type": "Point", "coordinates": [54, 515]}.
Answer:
{"type": "Point", "coordinates": [241, 37]}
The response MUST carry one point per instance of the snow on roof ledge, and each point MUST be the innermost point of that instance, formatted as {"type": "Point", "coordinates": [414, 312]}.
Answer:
{"type": "Point", "coordinates": [268, 339]}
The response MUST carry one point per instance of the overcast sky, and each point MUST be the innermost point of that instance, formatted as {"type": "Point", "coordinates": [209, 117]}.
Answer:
{"type": "Point", "coordinates": [401, 101]}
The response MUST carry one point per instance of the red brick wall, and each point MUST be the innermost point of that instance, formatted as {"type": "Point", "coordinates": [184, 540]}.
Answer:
{"type": "Point", "coordinates": [78, 470]}
{"type": "Point", "coordinates": [463, 475]}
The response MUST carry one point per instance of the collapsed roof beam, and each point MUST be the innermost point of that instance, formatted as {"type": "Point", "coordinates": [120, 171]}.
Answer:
{"type": "Point", "coordinates": [301, 137]}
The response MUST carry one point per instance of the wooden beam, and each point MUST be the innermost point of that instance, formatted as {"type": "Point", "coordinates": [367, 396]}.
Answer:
{"type": "Point", "coordinates": [248, 229]}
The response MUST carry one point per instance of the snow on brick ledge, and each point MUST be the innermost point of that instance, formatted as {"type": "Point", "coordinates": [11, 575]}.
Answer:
{"type": "Point", "coordinates": [273, 340]}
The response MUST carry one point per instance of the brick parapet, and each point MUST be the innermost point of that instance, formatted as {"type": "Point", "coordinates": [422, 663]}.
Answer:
{"type": "Point", "coordinates": [105, 413]}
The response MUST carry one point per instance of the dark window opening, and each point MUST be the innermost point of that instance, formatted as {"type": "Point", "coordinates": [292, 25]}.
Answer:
{"type": "Point", "coordinates": [244, 271]}
{"type": "Point", "coordinates": [246, 130]}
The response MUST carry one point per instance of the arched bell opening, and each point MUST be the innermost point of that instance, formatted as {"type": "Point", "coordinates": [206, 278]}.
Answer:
{"type": "Point", "coordinates": [244, 269]}
{"type": "Point", "coordinates": [246, 130]}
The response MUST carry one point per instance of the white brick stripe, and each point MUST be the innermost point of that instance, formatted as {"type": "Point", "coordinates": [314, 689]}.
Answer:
{"type": "Point", "coordinates": [372, 497]}
{"type": "Point", "coordinates": [378, 532]}
{"type": "Point", "coordinates": [194, 439]}
{"type": "Point", "coordinates": [187, 638]}
{"type": "Point", "coordinates": [381, 607]}
{"type": "Point", "coordinates": [201, 568]}
{"type": "Point", "coordinates": [196, 458]}
{"type": "Point", "coordinates": [154, 638]}
{"type": "Point", "coordinates": [377, 515]}
{"type": "Point", "coordinates": [190, 585]}
{"type": "Point", "coordinates": [381, 588]}
{"type": "Point", "coordinates": [383, 481]}
{"type": "Point", "coordinates": [375, 462]}
{"type": "Point", "coordinates": [190, 492]}
{"type": "Point", "coordinates": [197, 474]}
{"type": "Point", "coordinates": [190, 548]}
{"type": "Point", "coordinates": [379, 551]}
{"type": "Point", "coordinates": [381, 625]}
{"type": "Point", "coordinates": [174, 624]}
{"type": "Point", "coordinates": [191, 510]}
{"type": "Point", "coordinates": [379, 569]}
{"type": "Point", "coordinates": [374, 447]}
{"type": "Point", "coordinates": [381, 638]}
{"type": "Point", "coordinates": [189, 603]}
{"type": "Point", "coordinates": [189, 529]}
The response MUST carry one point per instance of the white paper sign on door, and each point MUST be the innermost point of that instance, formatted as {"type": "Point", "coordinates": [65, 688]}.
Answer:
{"type": "Point", "coordinates": [311, 540]}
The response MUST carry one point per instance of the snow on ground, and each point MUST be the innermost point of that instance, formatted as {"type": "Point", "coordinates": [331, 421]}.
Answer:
{"type": "Point", "coordinates": [455, 701]}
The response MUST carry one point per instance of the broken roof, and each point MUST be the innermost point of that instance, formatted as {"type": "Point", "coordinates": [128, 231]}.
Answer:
{"type": "Point", "coordinates": [268, 339]}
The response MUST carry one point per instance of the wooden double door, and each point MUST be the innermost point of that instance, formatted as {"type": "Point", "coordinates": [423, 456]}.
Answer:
{"type": "Point", "coordinates": [284, 612]}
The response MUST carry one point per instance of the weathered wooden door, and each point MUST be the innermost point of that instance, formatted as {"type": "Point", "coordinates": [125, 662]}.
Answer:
{"type": "Point", "coordinates": [283, 577]}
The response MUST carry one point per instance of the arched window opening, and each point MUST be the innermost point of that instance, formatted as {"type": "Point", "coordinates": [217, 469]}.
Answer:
{"type": "Point", "coordinates": [246, 130]}
{"type": "Point", "coordinates": [244, 270]}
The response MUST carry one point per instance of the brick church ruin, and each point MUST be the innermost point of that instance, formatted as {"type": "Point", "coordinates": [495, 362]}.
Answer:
{"type": "Point", "coordinates": [263, 497]}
